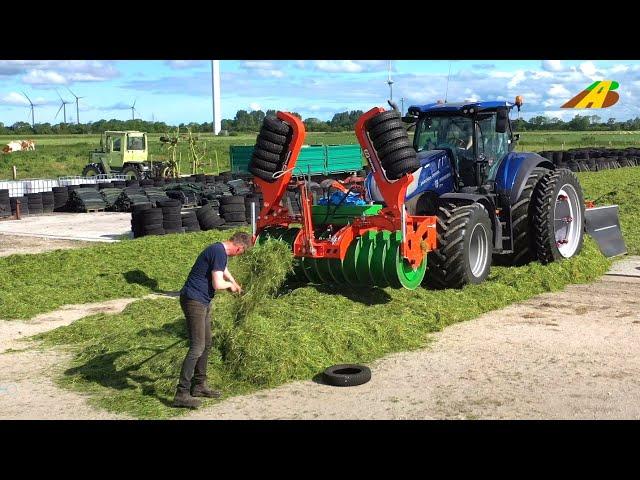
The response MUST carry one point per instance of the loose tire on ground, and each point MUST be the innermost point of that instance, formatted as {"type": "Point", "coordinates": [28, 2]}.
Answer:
{"type": "Point", "coordinates": [346, 375]}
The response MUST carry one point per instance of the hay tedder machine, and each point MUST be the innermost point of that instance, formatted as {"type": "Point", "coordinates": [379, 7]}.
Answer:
{"type": "Point", "coordinates": [440, 208]}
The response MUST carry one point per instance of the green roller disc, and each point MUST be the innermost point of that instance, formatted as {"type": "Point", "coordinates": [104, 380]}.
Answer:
{"type": "Point", "coordinates": [383, 241]}
{"type": "Point", "coordinates": [363, 262]}
{"type": "Point", "coordinates": [322, 269]}
{"type": "Point", "coordinates": [397, 270]}
{"type": "Point", "coordinates": [309, 270]}
{"type": "Point", "coordinates": [335, 268]}
{"type": "Point", "coordinates": [349, 263]}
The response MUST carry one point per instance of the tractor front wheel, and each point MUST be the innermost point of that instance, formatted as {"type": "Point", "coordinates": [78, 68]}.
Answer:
{"type": "Point", "coordinates": [91, 170]}
{"type": "Point", "coordinates": [131, 173]}
{"type": "Point", "coordinates": [464, 246]}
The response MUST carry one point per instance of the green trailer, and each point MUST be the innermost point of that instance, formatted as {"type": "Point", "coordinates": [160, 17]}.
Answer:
{"type": "Point", "coordinates": [325, 160]}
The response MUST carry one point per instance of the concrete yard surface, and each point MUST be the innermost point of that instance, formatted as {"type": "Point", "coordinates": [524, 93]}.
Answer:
{"type": "Point", "coordinates": [92, 227]}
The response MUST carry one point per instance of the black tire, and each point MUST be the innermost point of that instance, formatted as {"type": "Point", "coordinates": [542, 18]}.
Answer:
{"type": "Point", "coordinates": [389, 135]}
{"type": "Point", "coordinates": [172, 217]}
{"type": "Point", "coordinates": [231, 199]}
{"type": "Point", "coordinates": [401, 168]}
{"type": "Point", "coordinates": [262, 174]}
{"type": "Point", "coordinates": [399, 156]}
{"type": "Point", "coordinates": [234, 217]}
{"type": "Point", "coordinates": [272, 147]}
{"type": "Point", "coordinates": [232, 208]}
{"type": "Point", "coordinates": [449, 265]}
{"type": "Point", "coordinates": [272, 137]}
{"type": "Point", "coordinates": [376, 132]}
{"type": "Point", "coordinates": [169, 203]}
{"type": "Point", "coordinates": [346, 375]}
{"type": "Point", "coordinates": [524, 249]}
{"type": "Point", "coordinates": [133, 171]}
{"type": "Point", "coordinates": [544, 201]}
{"type": "Point", "coordinates": [92, 170]}
{"type": "Point", "coordinates": [264, 155]}
{"type": "Point", "coordinates": [393, 146]}
{"type": "Point", "coordinates": [383, 117]}
{"type": "Point", "coordinates": [275, 125]}
{"type": "Point", "coordinates": [264, 164]}
{"type": "Point", "coordinates": [139, 207]}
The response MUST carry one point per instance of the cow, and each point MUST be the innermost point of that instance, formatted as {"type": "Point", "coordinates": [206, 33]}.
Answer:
{"type": "Point", "coordinates": [15, 146]}
{"type": "Point", "coordinates": [28, 144]}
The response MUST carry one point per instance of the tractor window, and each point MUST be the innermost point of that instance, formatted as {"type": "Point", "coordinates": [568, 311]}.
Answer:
{"type": "Point", "coordinates": [116, 144]}
{"type": "Point", "coordinates": [444, 132]}
{"type": "Point", "coordinates": [492, 144]}
{"type": "Point", "coordinates": [135, 143]}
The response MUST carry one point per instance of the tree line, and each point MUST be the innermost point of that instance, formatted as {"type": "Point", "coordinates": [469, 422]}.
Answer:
{"type": "Point", "coordinates": [245, 121]}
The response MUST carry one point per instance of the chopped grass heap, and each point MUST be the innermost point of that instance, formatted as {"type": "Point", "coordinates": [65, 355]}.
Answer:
{"type": "Point", "coordinates": [130, 362]}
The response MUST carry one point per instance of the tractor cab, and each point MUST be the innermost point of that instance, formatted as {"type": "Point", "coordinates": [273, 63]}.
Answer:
{"type": "Point", "coordinates": [477, 137]}
{"type": "Point", "coordinates": [124, 147]}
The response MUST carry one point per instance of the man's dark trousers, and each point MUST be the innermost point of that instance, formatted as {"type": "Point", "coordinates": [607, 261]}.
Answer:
{"type": "Point", "coordinates": [198, 317]}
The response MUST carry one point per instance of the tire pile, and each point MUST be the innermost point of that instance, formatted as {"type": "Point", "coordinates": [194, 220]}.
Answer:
{"type": "Point", "coordinates": [146, 220]}
{"type": "Point", "coordinates": [48, 202]}
{"type": "Point", "coordinates": [24, 205]}
{"type": "Point", "coordinates": [233, 210]}
{"type": "Point", "coordinates": [129, 197]}
{"type": "Point", "coordinates": [171, 217]}
{"type": "Point", "coordinates": [60, 199]}
{"type": "Point", "coordinates": [34, 204]}
{"type": "Point", "coordinates": [269, 151]}
{"type": "Point", "coordinates": [593, 159]}
{"type": "Point", "coordinates": [5, 204]}
{"type": "Point", "coordinates": [252, 198]}
{"type": "Point", "coordinates": [110, 196]}
{"type": "Point", "coordinates": [392, 143]}
{"type": "Point", "coordinates": [208, 218]}
{"type": "Point", "coordinates": [190, 221]}
{"type": "Point", "coordinates": [83, 199]}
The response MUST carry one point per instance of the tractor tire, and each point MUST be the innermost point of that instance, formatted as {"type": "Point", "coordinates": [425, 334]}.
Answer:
{"type": "Point", "coordinates": [264, 165]}
{"type": "Point", "coordinates": [92, 170]}
{"type": "Point", "coordinates": [401, 168]}
{"type": "Point", "coordinates": [382, 117]}
{"type": "Point", "coordinates": [524, 250]}
{"type": "Point", "coordinates": [264, 155]}
{"type": "Point", "coordinates": [131, 172]}
{"type": "Point", "coordinates": [394, 145]}
{"type": "Point", "coordinates": [463, 255]}
{"type": "Point", "coordinates": [558, 194]}
{"type": "Point", "coordinates": [262, 174]}
{"type": "Point", "coordinates": [400, 156]}
{"type": "Point", "coordinates": [346, 375]}
{"type": "Point", "coordinates": [376, 132]}
{"type": "Point", "coordinates": [272, 137]}
{"type": "Point", "coordinates": [275, 125]}
{"type": "Point", "coordinates": [263, 144]}
{"type": "Point", "coordinates": [389, 135]}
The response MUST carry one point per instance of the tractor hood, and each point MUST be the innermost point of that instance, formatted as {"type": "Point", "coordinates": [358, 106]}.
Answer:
{"type": "Point", "coordinates": [434, 174]}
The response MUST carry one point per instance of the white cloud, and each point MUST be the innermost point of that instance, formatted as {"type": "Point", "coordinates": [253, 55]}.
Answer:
{"type": "Point", "coordinates": [255, 106]}
{"type": "Point", "coordinates": [349, 66]}
{"type": "Point", "coordinates": [260, 64]}
{"type": "Point", "coordinates": [619, 68]}
{"type": "Point", "coordinates": [263, 68]}
{"type": "Point", "coordinates": [558, 90]}
{"type": "Point", "coordinates": [518, 77]}
{"type": "Point", "coordinates": [541, 74]}
{"type": "Point", "coordinates": [14, 98]}
{"type": "Point", "coordinates": [183, 64]}
{"type": "Point", "coordinates": [43, 77]}
{"type": "Point", "coordinates": [589, 69]}
{"type": "Point", "coordinates": [552, 65]}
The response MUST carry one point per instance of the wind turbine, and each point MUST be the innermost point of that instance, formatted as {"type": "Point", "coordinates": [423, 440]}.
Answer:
{"type": "Point", "coordinates": [133, 109]}
{"type": "Point", "coordinates": [77, 105]}
{"type": "Point", "coordinates": [33, 123]}
{"type": "Point", "coordinates": [63, 107]}
{"type": "Point", "coordinates": [390, 83]}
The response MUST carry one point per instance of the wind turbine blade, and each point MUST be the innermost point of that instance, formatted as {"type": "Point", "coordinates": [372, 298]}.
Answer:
{"type": "Point", "coordinates": [59, 111]}
{"type": "Point", "coordinates": [27, 98]}
{"type": "Point", "coordinates": [134, 103]}
{"type": "Point", "coordinates": [59, 95]}
{"type": "Point", "coordinates": [72, 92]}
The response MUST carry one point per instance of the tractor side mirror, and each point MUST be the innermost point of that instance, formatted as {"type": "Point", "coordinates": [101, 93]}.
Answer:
{"type": "Point", "coordinates": [502, 120]}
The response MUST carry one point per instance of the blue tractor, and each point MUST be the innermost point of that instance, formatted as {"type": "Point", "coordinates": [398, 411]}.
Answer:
{"type": "Point", "coordinates": [493, 204]}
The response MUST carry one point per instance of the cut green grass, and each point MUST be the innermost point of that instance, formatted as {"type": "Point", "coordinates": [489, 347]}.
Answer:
{"type": "Point", "coordinates": [130, 362]}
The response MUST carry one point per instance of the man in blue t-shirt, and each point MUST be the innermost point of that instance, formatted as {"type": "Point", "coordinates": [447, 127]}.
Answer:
{"type": "Point", "coordinates": [208, 274]}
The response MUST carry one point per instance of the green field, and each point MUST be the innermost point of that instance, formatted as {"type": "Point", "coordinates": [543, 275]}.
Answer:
{"type": "Point", "coordinates": [60, 155]}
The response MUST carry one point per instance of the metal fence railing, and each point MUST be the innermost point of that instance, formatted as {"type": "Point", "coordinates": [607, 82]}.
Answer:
{"type": "Point", "coordinates": [18, 188]}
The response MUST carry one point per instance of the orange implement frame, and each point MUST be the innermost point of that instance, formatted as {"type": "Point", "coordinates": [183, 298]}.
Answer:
{"type": "Point", "coordinates": [418, 232]}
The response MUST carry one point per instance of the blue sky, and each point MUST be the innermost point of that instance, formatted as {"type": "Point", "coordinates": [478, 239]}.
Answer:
{"type": "Point", "coordinates": [177, 91]}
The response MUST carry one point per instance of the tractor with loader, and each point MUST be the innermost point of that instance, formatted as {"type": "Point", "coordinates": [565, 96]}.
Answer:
{"type": "Point", "coordinates": [440, 208]}
{"type": "Point", "coordinates": [125, 153]}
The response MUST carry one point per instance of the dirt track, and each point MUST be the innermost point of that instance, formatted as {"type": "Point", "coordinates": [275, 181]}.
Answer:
{"type": "Point", "coordinates": [572, 354]}
{"type": "Point", "coordinates": [12, 244]}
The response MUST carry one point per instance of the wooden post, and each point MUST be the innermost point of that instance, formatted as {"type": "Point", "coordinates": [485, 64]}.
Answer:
{"type": "Point", "coordinates": [15, 173]}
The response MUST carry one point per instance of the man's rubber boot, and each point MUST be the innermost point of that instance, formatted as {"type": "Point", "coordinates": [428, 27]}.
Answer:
{"type": "Point", "coordinates": [184, 400]}
{"type": "Point", "coordinates": [204, 391]}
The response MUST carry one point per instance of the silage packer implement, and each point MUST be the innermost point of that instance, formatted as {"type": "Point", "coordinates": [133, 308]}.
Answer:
{"type": "Point", "coordinates": [356, 245]}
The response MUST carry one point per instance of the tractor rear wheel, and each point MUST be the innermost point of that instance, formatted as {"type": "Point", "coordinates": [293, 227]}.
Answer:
{"type": "Point", "coordinates": [558, 216]}
{"type": "Point", "coordinates": [464, 248]}
{"type": "Point", "coordinates": [524, 250]}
